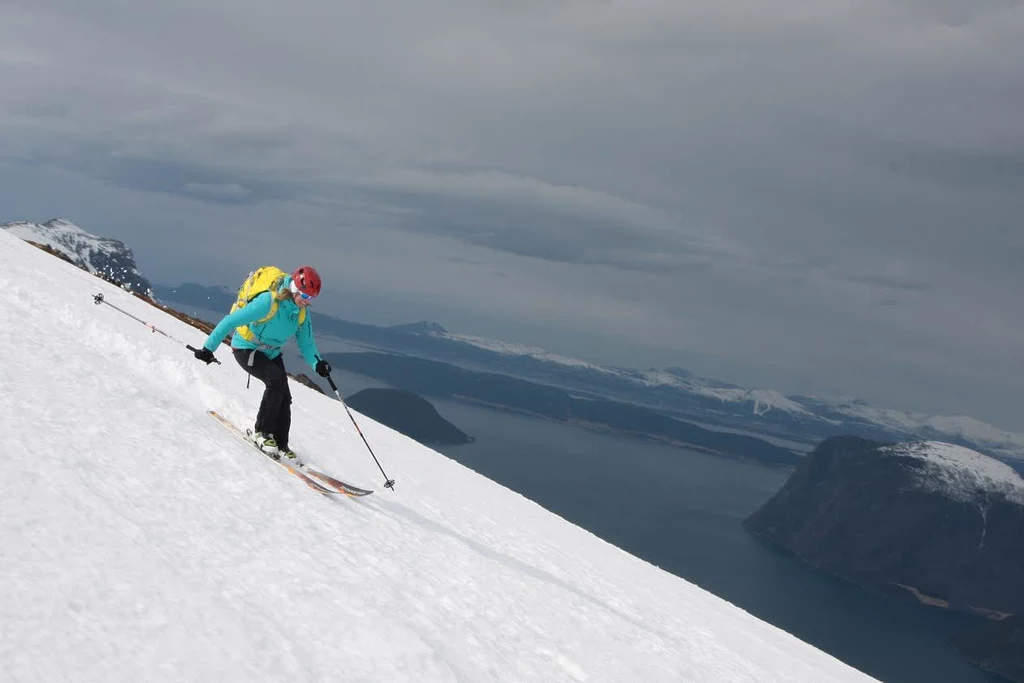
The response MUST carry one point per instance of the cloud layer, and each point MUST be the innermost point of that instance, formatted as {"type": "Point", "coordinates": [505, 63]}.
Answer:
{"type": "Point", "coordinates": [820, 196]}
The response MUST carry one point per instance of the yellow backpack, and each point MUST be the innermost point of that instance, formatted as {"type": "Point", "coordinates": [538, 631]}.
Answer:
{"type": "Point", "coordinates": [264, 279]}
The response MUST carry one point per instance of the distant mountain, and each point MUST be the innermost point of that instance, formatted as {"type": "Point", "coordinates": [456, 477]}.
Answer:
{"type": "Point", "coordinates": [422, 327]}
{"type": "Point", "coordinates": [435, 378]}
{"type": "Point", "coordinates": [959, 429]}
{"type": "Point", "coordinates": [761, 410]}
{"type": "Point", "coordinates": [108, 257]}
{"type": "Point", "coordinates": [675, 391]}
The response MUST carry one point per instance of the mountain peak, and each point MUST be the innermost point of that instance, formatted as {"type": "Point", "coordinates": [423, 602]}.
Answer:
{"type": "Point", "coordinates": [63, 223]}
{"type": "Point", "coordinates": [104, 256]}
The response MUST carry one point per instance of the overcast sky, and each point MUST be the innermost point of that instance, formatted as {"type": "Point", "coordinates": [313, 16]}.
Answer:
{"type": "Point", "coordinates": [816, 196]}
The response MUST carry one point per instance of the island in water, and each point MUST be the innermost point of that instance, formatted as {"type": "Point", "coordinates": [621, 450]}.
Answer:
{"type": "Point", "coordinates": [408, 414]}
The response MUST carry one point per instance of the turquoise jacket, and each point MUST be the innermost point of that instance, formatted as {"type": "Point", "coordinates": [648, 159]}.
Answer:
{"type": "Point", "coordinates": [271, 335]}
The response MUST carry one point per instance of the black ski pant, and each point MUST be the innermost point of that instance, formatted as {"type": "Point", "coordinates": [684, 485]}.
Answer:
{"type": "Point", "coordinates": [275, 415]}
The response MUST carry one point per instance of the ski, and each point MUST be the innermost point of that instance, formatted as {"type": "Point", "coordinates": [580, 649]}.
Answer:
{"type": "Point", "coordinates": [342, 487]}
{"type": "Point", "coordinates": [306, 479]}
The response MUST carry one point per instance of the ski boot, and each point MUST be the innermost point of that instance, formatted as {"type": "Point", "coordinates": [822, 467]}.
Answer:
{"type": "Point", "coordinates": [267, 444]}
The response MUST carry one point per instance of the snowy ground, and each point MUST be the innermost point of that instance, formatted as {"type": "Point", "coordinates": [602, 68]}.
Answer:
{"type": "Point", "coordinates": [139, 541]}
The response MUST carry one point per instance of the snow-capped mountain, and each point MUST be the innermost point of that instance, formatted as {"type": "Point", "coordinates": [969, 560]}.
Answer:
{"type": "Point", "coordinates": [796, 415]}
{"type": "Point", "coordinates": [957, 428]}
{"type": "Point", "coordinates": [422, 327]}
{"type": "Point", "coordinates": [515, 349]}
{"type": "Point", "coordinates": [761, 400]}
{"type": "Point", "coordinates": [108, 257]}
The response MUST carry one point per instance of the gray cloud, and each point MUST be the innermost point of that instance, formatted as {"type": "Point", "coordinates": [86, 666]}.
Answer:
{"type": "Point", "coordinates": [816, 196]}
{"type": "Point", "coordinates": [994, 170]}
{"type": "Point", "coordinates": [528, 217]}
{"type": "Point", "coordinates": [221, 191]}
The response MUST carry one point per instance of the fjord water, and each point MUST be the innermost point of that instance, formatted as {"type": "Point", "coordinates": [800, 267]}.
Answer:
{"type": "Point", "coordinates": [681, 510]}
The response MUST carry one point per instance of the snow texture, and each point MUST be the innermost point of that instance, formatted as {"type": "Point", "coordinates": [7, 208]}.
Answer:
{"type": "Point", "coordinates": [139, 541]}
{"type": "Point", "coordinates": [960, 473]}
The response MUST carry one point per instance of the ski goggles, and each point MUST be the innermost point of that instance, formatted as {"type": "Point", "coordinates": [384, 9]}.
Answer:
{"type": "Point", "coordinates": [302, 295]}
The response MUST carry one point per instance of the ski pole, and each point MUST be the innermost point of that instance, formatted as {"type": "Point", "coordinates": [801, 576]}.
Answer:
{"type": "Point", "coordinates": [98, 299]}
{"type": "Point", "coordinates": [388, 483]}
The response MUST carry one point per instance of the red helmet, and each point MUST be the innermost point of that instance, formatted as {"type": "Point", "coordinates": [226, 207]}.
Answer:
{"type": "Point", "coordinates": [307, 280]}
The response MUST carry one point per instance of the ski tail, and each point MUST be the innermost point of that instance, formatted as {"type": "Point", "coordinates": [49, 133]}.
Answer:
{"type": "Point", "coordinates": [342, 487]}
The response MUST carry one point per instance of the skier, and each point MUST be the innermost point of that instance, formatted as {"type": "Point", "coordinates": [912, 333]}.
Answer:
{"type": "Point", "coordinates": [263, 323]}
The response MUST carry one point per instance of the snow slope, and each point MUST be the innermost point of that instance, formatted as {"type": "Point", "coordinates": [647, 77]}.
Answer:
{"type": "Point", "coordinates": [139, 541]}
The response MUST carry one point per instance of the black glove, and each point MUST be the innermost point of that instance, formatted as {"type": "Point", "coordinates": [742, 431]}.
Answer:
{"type": "Point", "coordinates": [323, 368]}
{"type": "Point", "coordinates": [204, 354]}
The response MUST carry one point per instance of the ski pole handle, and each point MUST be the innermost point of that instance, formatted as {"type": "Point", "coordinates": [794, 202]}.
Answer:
{"type": "Point", "coordinates": [195, 350]}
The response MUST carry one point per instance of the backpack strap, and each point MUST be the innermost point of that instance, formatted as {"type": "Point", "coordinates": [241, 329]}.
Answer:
{"type": "Point", "coordinates": [246, 330]}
